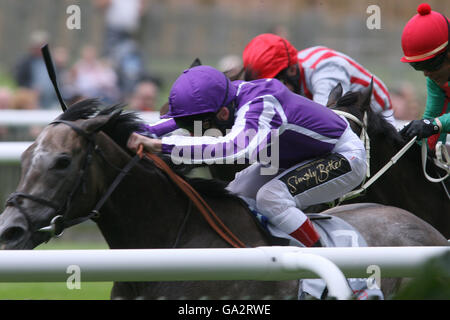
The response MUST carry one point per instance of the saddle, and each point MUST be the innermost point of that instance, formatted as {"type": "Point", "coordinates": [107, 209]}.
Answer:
{"type": "Point", "coordinates": [334, 232]}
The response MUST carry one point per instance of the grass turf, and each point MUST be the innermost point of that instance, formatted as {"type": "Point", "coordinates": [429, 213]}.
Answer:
{"type": "Point", "coordinates": [58, 290]}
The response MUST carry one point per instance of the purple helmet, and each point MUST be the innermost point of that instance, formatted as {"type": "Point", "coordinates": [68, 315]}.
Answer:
{"type": "Point", "coordinates": [198, 90]}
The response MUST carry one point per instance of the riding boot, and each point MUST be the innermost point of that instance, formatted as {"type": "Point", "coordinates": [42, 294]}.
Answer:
{"type": "Point", "coordinates": [306, 234]}
{"type": "Point", "coordinates": [318, 244]}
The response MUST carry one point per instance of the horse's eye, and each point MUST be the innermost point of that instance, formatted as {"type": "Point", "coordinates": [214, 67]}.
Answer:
{"type": "Point", "coordinates": [61, 163]}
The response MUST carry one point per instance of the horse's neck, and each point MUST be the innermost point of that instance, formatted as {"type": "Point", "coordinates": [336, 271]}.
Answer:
{"type": "Point", "coordinates": [404, 184]}
{"type": "Point", "coordinates": [148, 211]}
{"type": "Point", "coordinates": [408, 166]}
{"type": "Point", "coordinates": [136, 214]}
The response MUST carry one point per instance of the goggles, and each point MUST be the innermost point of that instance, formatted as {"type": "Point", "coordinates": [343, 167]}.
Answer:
{"type": "Point", "coordinates": [430, 65]}
{"type": "Point", "coordinates": [188, 123]}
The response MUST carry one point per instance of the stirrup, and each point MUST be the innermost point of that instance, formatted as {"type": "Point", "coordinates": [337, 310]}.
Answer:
{"type": "Point", "coordinates": [424, 162]}
{"type": "Point", "coordinates": [442, 157]}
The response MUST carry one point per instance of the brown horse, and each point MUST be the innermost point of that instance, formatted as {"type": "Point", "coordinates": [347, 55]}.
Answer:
{"type": "Point", "coordinates": [75, 159]}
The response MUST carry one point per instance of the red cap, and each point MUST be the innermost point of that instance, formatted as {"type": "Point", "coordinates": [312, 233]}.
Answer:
{"type": "Point", "coordinates": [268, 54]}
{"type": "Point", "coordinates": [425, 35]}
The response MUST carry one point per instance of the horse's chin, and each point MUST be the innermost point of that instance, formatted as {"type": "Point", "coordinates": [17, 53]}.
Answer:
{"type": "Point", "coordinates": [28, 244]}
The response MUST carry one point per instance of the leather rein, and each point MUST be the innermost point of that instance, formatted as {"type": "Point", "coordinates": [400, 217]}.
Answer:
{"type": "Point", "coordinates": [60, 221]}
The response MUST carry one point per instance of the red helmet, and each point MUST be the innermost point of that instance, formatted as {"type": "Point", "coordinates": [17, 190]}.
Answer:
{"type": "Point", "coordinates": [425, 35]}
{"type": "Point", "coordinates": [268, 54]}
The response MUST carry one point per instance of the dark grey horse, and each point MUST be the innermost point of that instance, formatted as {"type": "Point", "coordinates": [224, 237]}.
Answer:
{"type": "Point", "coordinates": [74, 161]}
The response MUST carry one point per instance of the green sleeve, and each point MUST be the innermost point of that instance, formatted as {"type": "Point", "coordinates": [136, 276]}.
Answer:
{"type": "Point", "coordinates": [435, 104]}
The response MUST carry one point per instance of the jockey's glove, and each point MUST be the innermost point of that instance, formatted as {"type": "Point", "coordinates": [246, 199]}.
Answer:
{"type": "Point", "coordinates": [420, 128]}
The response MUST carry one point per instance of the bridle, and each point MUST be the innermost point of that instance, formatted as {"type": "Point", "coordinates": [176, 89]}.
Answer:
{"type": "Point", "coordinates": [60, 221]}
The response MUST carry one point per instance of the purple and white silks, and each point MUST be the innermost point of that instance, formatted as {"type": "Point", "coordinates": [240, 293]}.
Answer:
{"type": "Point", "coordinates": [269, 119]}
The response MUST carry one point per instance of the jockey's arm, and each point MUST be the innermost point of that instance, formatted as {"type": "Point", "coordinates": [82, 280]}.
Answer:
{"type": "Point", "coordinates": [251, 133]}
{"type": "Point", "coordinates": [159, 129]}
{"type": "Point", "coordinates": [435, 105]}
{"type": "Point", "coordinates": [149, 135]}
{"type": "Point", "coordinates": [326, 76]}
{"type": "Point", "coordinates": [150, 144]}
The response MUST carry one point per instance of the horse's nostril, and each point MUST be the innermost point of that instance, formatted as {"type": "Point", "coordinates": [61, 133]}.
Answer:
{"type": "Point", "coordinates": [12, 234]}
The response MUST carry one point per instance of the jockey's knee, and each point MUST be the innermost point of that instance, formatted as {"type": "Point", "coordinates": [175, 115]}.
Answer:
{"type": "Point", "coordinates": [358, 173]}
{"type": "Point", "coordinates": [274, 198]}
{"type": "Point", "coordinates": [275, 202]}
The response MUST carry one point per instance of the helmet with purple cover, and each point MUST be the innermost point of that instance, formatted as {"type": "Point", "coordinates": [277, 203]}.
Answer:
{"type": "Point", "coordinates": [199, 90]}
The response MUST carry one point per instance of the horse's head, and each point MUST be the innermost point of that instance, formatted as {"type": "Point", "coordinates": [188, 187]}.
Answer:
{"type": "Point", "coordinates": [354, 103]}
{"type": "Point", "coordinates": [55, 173]}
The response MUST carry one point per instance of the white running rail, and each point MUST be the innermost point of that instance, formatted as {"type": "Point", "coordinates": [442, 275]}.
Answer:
{"type": "Point", "coordinates": [10, 117]}
{"type": "Point", "coordinates": [261, 263]}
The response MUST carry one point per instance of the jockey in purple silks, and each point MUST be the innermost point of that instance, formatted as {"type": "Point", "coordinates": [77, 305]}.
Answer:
{"type": "Point", "coordinates": [301, 153]}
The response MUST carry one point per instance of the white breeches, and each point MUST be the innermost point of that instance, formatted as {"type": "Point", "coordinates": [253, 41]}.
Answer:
{"type": "Point", "coordinates": [282, 196]}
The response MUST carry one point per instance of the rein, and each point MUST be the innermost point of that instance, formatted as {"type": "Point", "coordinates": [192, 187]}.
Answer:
{"type": "Point", "coordinates": [380, 172]}
{"type": "Point", "coordinates": [60, 221]}
{"type": "Point", "coordinates": [365, 137]}
{"type": "Point", "coordinates": [213, 220]}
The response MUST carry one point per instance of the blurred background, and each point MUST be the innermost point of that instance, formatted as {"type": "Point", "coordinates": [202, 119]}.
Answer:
{"type": "Point", "coordinates": [122, 43]}
{"type": "Point", "coordinates": [132, 50]}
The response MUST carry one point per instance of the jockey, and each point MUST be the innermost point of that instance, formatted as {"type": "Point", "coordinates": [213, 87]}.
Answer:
{"type": "Point", "coordinates": [302, 153]}
{"type": "Point", "coordinates": [425, 43]}
{"type": "Point", "coordinates": [312, 72]}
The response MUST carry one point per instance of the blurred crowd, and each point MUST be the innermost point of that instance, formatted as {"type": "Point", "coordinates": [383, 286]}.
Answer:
{"type": "Point", "coordinates": [117, 72]}
{"type": "Point", "coordinates": [113, 73]}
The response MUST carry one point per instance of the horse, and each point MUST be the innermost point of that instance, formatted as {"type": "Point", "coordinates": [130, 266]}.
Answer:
{"type": "Point", "coordinates": [71, 165]}
{"type": "Point", "coordinates": [404, 184]}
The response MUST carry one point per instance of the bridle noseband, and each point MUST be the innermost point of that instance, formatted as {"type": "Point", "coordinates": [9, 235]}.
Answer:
{"type": "Point", "coordinates": [60, 221]}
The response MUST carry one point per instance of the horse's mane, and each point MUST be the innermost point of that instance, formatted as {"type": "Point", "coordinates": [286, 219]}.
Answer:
{"type": "Point", "coordinates": [123, 126]}
{"type": "Point", "coordinates": [377, 124]}
{"type": "Point", "coordinates": [119, 129]}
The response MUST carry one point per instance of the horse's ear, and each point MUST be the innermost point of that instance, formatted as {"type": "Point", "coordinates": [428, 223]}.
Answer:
{"type": "Point", "coordinates": [334, 95]}
{"type": "Point", "coordinates": [196, 63]}
{"type": "Point", "coordinates": [97, 123]}
{"type": "Point", "coordinates": [366, 96]}
{"type": "Point", "coordinates": [164, 109]}
{"type": "Point", "coordinates": [237, 76]}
